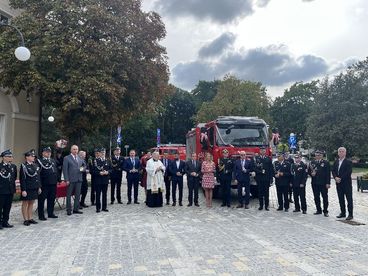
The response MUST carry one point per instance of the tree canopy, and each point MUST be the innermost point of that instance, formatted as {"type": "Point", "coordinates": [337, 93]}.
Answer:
{"type": "Point", "coordinates": [100, 62]}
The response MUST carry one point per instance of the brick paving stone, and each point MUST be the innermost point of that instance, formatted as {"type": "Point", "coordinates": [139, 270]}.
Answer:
{"type": "Point", "coordinates": [136, 240]}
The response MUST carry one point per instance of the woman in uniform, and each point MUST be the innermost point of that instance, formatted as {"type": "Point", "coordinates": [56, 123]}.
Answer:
{"type": "Point", "coordinates": [30, 185]}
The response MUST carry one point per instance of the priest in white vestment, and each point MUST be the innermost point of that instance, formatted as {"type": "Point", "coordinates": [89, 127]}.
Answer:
{"type": "Point", "coordinates": [155, 181]}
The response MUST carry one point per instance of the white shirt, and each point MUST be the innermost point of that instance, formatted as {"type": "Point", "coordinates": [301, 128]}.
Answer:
{"type": "Point", "coordinates": [178, 163]}
{"type": "Point", "coordinates": [340, 163]}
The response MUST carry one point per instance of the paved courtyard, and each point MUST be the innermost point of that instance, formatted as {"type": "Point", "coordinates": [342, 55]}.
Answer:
{"type": "Point", "coordinates": [136, 240]}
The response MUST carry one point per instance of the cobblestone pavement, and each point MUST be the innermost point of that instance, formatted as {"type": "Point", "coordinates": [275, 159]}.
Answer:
{"type": "Point", "coordinates": [136, 240]}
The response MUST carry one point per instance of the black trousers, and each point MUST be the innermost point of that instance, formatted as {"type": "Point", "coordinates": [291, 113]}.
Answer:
{"type": "Point", "coordinates": [133, 183]}
{"type": "Point", "coordinates": [101, 189]}
{"type": "Point", "coordinates": [299, 193]}
{"type": "Point", "coordinates": [226, 190]}
{"type": "Point", "coordinates": [115, 183]}
{"type": "Point", "coordinates": [263, 193]}
{"type": "Point", "coordinates": [5, 206]}
{"type": "Point", "coordinates": [345, 191]}
{"type": "Point", "coordinates": [48, 193]}
{"type": "Point", "coordinates": [177, 182]}
{"type": "Point", "coordinates": [93, 191]}
{"type": "Point", "coordinates": [243, 199]}
{"type": "Point", "coordinates": [168, 188]}
{"type": "Point", "coordinates": [282, 196]}
{"type": "Point", "coordinates": [290, 190]}
{"type": "Point", "coordinates": [84, 191]}
{"type": "Point", "coordinates": [193, 186]}
{"type": "Point", "coordinates": [319, 190]}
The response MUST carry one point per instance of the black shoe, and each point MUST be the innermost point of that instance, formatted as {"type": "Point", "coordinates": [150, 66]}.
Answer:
{"type": "Point", "coordinates": [326, 214]}
{"type": "Point", "coordinates": [304, 212]}
{"type": "Point", "coordinates": [291, 201]}
{"type": "Point", "coordinates": [295, 211]}
{"type": "Point", "coordinates": [228, 205]}
{"type": "Point", "coordinates": [84, 205]}
{"type": "Point", "coordinates": [190, 204]}
{"type": "Point", "coordinates": [26, 223]}
{"type": "Point", "coordinates": [240, 206]}
{"type": "Point", "coordinates": [32, 221]}
{"type": "Point", "coordinates": [267, 209]}
{"type": "Point", "coordinates": [317, 213]}
{"type": "Point", "coordinates": [77, 212]}
{"type": "Point", "coordinates": [279, 209]}
{"type": "Point", "coordinates": [112, 202]}
{"type": "Point", "coordinates": [97, 211]}
{"type": "Point", "coordinates": [341, 216]}
{"type": "Point", "coordinates": [53, 216]}
{"type": "Point", "coordinates": [42, 218]}
{"type": "Point", "coordinates": [223, 205]}
{"type": "Point", "coordinates": [129, 202]}
{"type": "Point", "coordinates": [6, 225]}
{"type": "Point", "coordinates": [286, 210]}
{"type": "Point", "coordinates": [80, 207]}
{"type": "Point", "coordinates": [136, 202]}
{"type": "Point", "coordinates": [180, 204]}
{"type": "Point", "coordinates": [349, 217]}
{"type": "Point", "coordinates": [196, 204]}
{"type": "Point", "coordinates": [1, 227]}
{"type": "Point", "coordinates": [119, 202]}
{"type": "Point", "coordinates": [69, 213]}
{"type": "Point", "coordinates": [246, 207]}
{"type": "Point", "coordinates": [105, 210]}
{"type": "Point", "coordinates": [260, 208]}
{"type": "Point", "coordinates": [167, 203]}
{"type": "Point", "coordinates": [174, 204]}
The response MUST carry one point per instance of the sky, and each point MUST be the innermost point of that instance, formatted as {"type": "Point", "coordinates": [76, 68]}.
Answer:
{"type": "Point", "coordinates": [276, 42]}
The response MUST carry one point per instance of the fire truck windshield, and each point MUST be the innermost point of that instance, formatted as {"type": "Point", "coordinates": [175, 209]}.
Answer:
{"type": "Point", "coordinates": [240, 135]}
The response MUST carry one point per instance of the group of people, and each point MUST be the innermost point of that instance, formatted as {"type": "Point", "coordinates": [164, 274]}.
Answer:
{"type": "Point", "coordinates": [162, 177]}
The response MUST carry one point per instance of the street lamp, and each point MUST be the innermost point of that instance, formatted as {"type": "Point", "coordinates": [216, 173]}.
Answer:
{"type": "Point", "coordinates": [51, 118]}
{"type": "Point", "coordinates": [22, 53]}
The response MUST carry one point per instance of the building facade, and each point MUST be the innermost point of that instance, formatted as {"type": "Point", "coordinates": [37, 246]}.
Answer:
{"type": "Point", "coordinates": [19, 115]}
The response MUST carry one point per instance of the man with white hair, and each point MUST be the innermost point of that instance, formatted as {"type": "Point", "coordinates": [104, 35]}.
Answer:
{"type": "Point", "coordinates": [155, 181]}
{"type": "Point", "coordinates": [342, 170]}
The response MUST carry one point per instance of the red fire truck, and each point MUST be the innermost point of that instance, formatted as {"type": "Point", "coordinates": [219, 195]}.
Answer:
{"type": "Point", "coordinates": [233, 133]}
{"type": "Point", "coordinates": [171, 149]}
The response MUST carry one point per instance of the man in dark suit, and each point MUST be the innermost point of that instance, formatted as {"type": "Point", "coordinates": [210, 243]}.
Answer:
{"type": "Point", "coordinates": [177, 170]}
{"type": "Point", "coordinates": [282, 173]}
{"type": "Point", "coordinates": [8, 175]}
{"type": "Point", "coordinates": [49, 178]}
{"type": "Point", "coordinates": [242, 170]}
{"type": "Point", "coordinates": [116, 175]}
{"type": "Point", "coordinates": [264, 177]}
{"type": "Point", "coordinates": [167, 177]}
{"type": "Point", "coordinates": [341, 172]}
{"type": "Point", "coordinates": [193, 171]}
{"type": "Point", "coordinates": [320, 172]}
{"type": "Point", "coordinates": [131, 166]}
{"type": "Point", "coordinates": [73, 167]}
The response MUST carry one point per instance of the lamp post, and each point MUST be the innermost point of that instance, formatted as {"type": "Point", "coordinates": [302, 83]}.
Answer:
{"type": "Point", "coordinates": [22, 53]}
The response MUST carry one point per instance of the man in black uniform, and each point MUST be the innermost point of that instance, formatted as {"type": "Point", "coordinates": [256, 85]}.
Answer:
{"type": "Point", "coordinates": [49, 177]}
{"type": "Point", "coordinates": [299, 173]}
{"type": "Point", "coordinates": [101, 170]}
{"type": "Point", "coordinates": [282, 175]}
{"type": "Point", "coordinates": [116, 175]}
{"type": "Point", "coordinates": [289, 159]}
{"type": "Point", "coordinates": [264, 177]}
{"type": "Point", "coordinates": [91, 161]}
{"type": "Point", "coordinates": [84, 188]}
{"type": "Point", "coordinates": [8, 175]}
{"type": "Point", "coordinates": [320, 172]}
{"type": "Point", "coordinates": [225, 172]}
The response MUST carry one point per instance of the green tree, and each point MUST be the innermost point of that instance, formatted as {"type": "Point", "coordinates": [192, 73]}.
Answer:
{"type": "Point", "coordinates": [236, 97]}
{"type": "Point", "coordinates": [290, 111]}
{"type": "Point", "coordinates": [340, 113]}
{"type": "Point", "coordinates": [177, 116]}
{"type": "Point", "coordinates": [99, 62]}
{"type": "Point", "coordinates": [205, 91]}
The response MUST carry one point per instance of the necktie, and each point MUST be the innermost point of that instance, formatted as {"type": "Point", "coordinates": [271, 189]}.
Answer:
{"type": "Point", "coordinates": [194, 164]}
{"type": "Point", "coordinates": [133, 162]}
